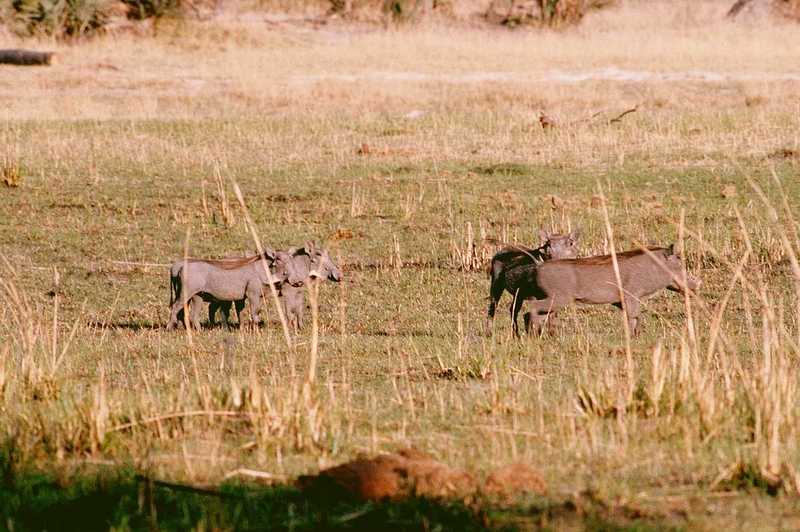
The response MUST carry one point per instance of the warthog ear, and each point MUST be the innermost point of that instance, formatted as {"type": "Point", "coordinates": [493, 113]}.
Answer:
{"type": "Point", "coordinates": [269, 253]}
{"type": "Point", "coordinates": [311, 247]}
{"type": "Point", "coordinates": [544, 236]}
{"type": "Point", "coordinates": [671, 250]}
{"type": "Point", "coordinates": [575, 235]}
{"type": "Point", "coordinates": [294, 250]}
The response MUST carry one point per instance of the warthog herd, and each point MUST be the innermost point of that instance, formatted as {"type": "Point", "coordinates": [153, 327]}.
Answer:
{"type": "Point", "coordinates": [226, 282]}
{"type": "Point", "coordinates": [549, 278]}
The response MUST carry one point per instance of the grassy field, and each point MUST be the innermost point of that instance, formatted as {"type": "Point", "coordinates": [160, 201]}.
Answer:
{"type": "Point", "coordinates": [401, 151]}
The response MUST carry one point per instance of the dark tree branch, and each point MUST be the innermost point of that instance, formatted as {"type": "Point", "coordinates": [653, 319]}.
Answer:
{"type": "Point", "coordinates": [736, 7]}
{"type": "Point", "coordinates": [619, 117]}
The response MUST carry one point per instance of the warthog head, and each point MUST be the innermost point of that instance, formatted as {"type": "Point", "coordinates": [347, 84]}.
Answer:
{"type": "Point", "coordinates": [286, 269]}
{"type": "Point", "coordinates": [558, 246]}
{"type": "Point", "coordinates": [674, 263]}
{"type": "Point", "coordinates": [322, 267]}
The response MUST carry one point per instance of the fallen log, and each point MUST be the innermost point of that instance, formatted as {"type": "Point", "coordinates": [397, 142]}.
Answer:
{"type": "Point", "coordinates": [14, 56]}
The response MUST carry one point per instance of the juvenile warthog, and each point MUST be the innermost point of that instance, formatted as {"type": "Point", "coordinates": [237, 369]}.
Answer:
{"type": "Point", "coordinates": [320, 266]}
{"type": "Point", "coordinates": [556, 246]}
{"type": "Point", "coordinates": [228, 280]}
{"type": "Point", "coordinates": [551, 285]}
{"type": "Point", "coordinates": [307, 262]}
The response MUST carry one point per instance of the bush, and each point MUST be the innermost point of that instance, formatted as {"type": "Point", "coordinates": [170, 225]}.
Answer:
{"type": "Point", "coordinates": [789, 8]}
{"type": "Point", "coordinates": [60, 18]}
{"type": "Point", "coordinates": [143, 9]}
{"type": "Point", "coordinates": [553, 13]}
{"type": "Point", "coordinates": [389, 10]}
{"type": "Point", "coordinates": [81, 18]}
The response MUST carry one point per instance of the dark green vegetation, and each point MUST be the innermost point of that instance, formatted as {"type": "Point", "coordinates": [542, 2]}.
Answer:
{"type": "Point", "coordinates": [125, 502]}
{"type": "Point", "coordinates": [122, 500]}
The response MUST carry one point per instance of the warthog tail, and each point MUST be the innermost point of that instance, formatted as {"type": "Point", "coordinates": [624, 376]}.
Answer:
{"type": "Point", "coordinates": [493, 242]}
{"type": "Point", "coordinates": [174, 288]}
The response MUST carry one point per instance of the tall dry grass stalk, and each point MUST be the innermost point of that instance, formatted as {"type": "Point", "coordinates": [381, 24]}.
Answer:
{"type": "Point", "coordinates": [687, 302]}
{"type": "Point", "coordinates": [622, 295]}
{"type": "Point", "coordinates": [187, 318]}
{"type": "Point", "coordinates": [36, 345]}
{"type": "Point", "coordinates": [788, 235]}
{"type": "Point", "coordinates": [472, 252]}
{"type": "Point", "coordinates": [222, 196]}
{"type": "Point", "coordinates": [311, 372]}
{"type": "Point", "coordinates": [257, 241]}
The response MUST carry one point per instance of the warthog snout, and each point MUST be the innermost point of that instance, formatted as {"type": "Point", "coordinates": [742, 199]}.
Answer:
{"type": "Point", "coordinates": [681, 279]}
{"type": "Point", "coordinates": [692, 283]}
{"type": "Point", "coordinates": [333, 275]}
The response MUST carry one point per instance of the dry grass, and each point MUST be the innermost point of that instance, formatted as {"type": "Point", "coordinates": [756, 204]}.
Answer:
{"type": "Point", "coordinates": [128, 144]}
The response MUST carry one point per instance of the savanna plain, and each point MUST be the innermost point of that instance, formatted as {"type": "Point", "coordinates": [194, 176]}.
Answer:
{"type": "Point", "coordinates": [403, 151]}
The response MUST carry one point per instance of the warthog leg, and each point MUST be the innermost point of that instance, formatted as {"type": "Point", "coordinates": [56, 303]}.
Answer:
{"type": "Point", "coordinates": [225, 308]}
{"type": "Point", "coordinates": [634, 308]}
{"type": "Point", "coordinates": [534, 322]}
{"type": "Point", "coordinates": [253, 293]}
{"type": "Point", "coordinates": [295, 320]}
{"type": "Point", "coordinates": [550, 319]}
{"type": "Point", "coordinates": [238, 305]}
{"type": "Point", "coordinates": [195, 305]}
{"type": "Point", "coordinates": [293, 305]}
{"type": "Point", "coordinates": [515, 308]}
{"type": "Point", "coordinates": [495, 293]}
{"type": "Point", "coordinates": [290, 317]}
{"type": "Point", "coordinates": [542, 311]}
{"type": "Point", "coordinates": [213, 307]}
{"type": "Point", "coordinates": [176, 309]}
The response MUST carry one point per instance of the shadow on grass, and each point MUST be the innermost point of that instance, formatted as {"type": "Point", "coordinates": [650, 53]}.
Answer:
{"type": "Point", "coordinates": [127, 325]}
{"type": "Point", "coordinates": [204, 325]}
{"type": "Point", "coordinates": [414, 333]}
{"type": "Point", "coordinates": [122, 500]}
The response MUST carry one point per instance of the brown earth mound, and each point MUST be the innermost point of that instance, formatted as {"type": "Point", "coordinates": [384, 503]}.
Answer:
{"type": "Point", "coordinates": [412, 473]}
{"type": "Point", "coordinates": [511, 480]}
{"type": "Point", "coordinates": [407, 473]}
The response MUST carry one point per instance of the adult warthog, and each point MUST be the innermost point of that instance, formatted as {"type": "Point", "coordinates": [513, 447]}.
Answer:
{"type": "Point", "coordinates": [556, 246]}
{"type": "Point", "coordinates": [307, 262]}
{"type": "Point", "coordinates": [226, 280]}
{"type": "Point", "coordinates": [552, 285]}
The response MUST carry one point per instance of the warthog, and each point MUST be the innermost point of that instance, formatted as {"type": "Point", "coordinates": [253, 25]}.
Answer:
{"type": "Point", "coordinates": [552, 285]}
{"type": "Point", "coordinates": [556, 246]}
{"type": "Point", "coordinates": [307, 262]}
{"type": "Point", "coordinates": [319, 265]}
{"type": "Point", "coordinates": [228, 280]}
